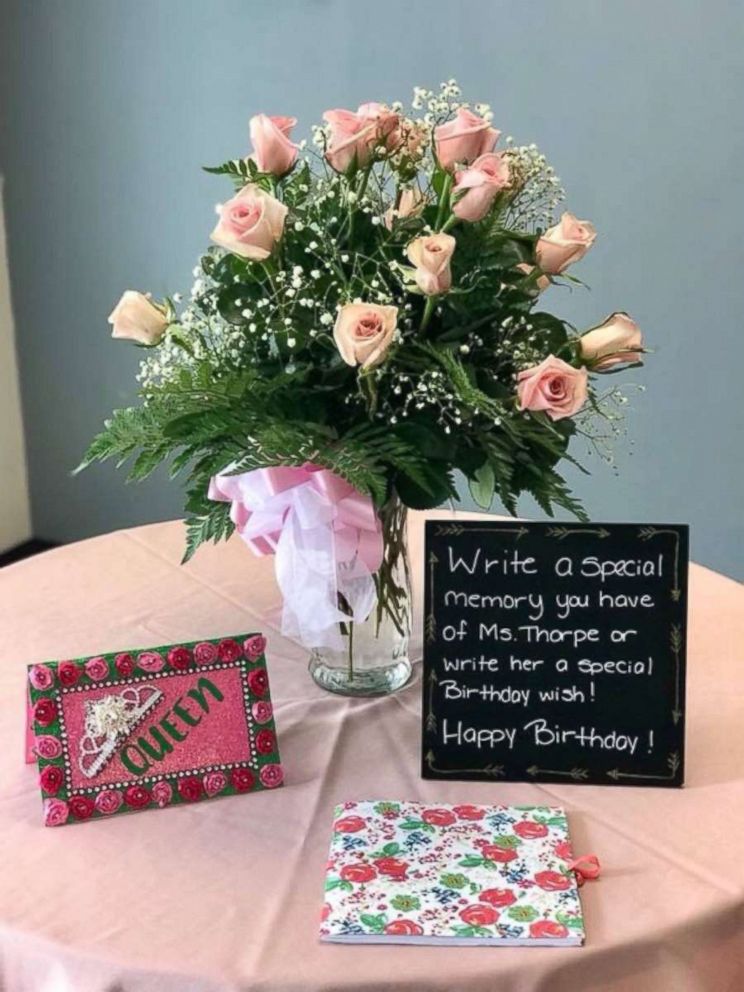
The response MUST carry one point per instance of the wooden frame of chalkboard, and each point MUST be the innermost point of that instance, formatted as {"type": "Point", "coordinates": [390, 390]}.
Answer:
{"type": "Point", "coordinates": [555, 652]}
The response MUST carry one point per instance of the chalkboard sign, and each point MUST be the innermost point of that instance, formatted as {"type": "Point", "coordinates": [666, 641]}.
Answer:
{"type": "Point", "coordinates": [555, 652]}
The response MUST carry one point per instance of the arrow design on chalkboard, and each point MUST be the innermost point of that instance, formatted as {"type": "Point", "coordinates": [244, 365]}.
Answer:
{"type": "Point", "coordinates": [430, 627]}
{"type": "Point", "coordinates": [675, 639]}
{"type": "Point", "coordinates": [646, 533]}
{"type": "Point", "coordinates": [562, 532]}
{"type": "Point", "coordinates": [431, 720]}
{"type": "Point", "coordinates": [673, 763]}
{"type": "Point", "coordinates": [454, 530]}
{"type": "Point", "coordinates": [577, 774]}
{"type": "Point", "coordinates": [494, 771]}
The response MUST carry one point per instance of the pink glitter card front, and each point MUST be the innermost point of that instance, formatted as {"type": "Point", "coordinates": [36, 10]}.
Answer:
{"type": "Point", "coordinates": [144, 729]}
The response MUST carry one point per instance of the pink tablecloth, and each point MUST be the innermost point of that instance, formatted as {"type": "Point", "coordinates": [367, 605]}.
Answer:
{"type": "Point", "coordinates": [225, 895]}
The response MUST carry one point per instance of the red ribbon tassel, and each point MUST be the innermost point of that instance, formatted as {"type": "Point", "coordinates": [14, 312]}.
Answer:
{"type": "Point", "coordinates": [584, 868]}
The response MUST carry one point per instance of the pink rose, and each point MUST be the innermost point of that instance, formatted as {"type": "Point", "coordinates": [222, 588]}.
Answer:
{"type": "Point", "coordinates": [108, 801]}
{"type": "Point", "coordinates": [214, 782]}
{"type": "Point", "coordinates": [386, 124]}
{"type": "Point", "coordinates": [431, 255]}
{"type": "Point", "coordinates": [479, 186]}
{"type": "Point", "coordinates": [46, 746]}
{"type": "Point", "coordinates": [617, 341]}
{"type": "Point", "coordinates": [254, 646]}
{"type": "Point", "coordinates": [364, 332]}
{"type": "Point", "coordinates": [262, 712]}
{"type": "Point", "coordinates": [150, 661]}
{"type": "Point", "coordinates": [124, 663]}
{"type": "Point", "coordinates": [55, 812]}
{"type": "Point", "coordinates": [273, 152]}
{"type": "Point", "coordinates": [355, 136]}
{"type": "Point", "coordinates": [464, 139]}
{"type": "Point", "coordinates": [96, 668]}
{"type": "Point", "coordinates": [136, 318]}
{"type": "Point", "coordinates": [251, 223]}
{"type": "Point", "coordinates": [205, 653]}
{"type": "Point", "coordinates": [542, 282]}
{"type": "Point", "coordinates": [411, 202]}
{"type": "Point", "coordinates": [162, 793]}
{"type": "Point", "coordinates": [566, 242]}
{"type": "Point", "coordinates": [271, 776]}
{"type": "Point", "coordinates": [41, 677]}
{"type": "Point", "coordinates": [553, 386]}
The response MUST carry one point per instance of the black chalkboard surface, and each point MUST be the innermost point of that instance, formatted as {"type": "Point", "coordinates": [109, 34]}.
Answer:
{"type": "Point", "coordinates": [555, 652]}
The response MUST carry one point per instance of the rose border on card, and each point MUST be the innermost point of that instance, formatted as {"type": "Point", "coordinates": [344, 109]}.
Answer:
{"type": "Point", "coordinates": [51, 682]}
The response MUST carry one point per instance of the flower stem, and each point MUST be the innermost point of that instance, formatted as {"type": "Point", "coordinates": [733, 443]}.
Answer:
{"type": "Point", "coordinates": [359, 193]}
{"type": "Point", "coordinates": [431, 302]}
{"type": "Point", "coordinates": [443, 201]}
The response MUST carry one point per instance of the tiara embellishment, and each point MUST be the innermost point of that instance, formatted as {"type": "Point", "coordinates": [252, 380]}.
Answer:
{"type": "Point", "coordinates": [108, 723]}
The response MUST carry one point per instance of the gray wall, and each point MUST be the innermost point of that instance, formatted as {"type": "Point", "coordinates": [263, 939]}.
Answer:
{"type": "Point", "coordinates": [111, 107]}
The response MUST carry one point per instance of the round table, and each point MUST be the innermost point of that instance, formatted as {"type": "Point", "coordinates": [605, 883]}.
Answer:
{"type": "Point", "coordinates": [225, 896]}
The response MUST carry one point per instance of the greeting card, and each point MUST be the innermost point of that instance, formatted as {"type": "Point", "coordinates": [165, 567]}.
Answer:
{"type": "Point", "coordinates": [403, 872]}
{"type": "Point", "coordinates": [144, 729]}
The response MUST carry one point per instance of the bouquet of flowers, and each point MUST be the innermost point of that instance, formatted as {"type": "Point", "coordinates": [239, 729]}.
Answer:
{"type": "Point", "coordinates": [366, 324]}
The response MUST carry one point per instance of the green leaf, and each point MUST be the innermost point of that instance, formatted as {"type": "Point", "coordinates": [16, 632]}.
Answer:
{"type": "Point", "coordinates": [508, 842]}
{"type": "Point", "coordinates": [374, 922]}
{"type": "Point", "coordinates": [439, 487]}
{"type": "Point", "coordinates": [471, 861]}
{"type": "Point", "coordinates": [215, 526]}
{"type": "Point", "coordinates": [483, 485]}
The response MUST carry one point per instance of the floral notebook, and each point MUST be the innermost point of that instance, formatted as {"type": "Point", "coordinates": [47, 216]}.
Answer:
{"type": "Point", "coordinates": [411, 873]}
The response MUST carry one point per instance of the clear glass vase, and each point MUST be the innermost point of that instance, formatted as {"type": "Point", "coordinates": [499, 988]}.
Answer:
{"type": "Point", "coordinates": [373, 660]}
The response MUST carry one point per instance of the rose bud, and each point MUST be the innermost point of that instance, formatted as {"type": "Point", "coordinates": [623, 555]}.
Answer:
{"type": "Point", "coordinates": [431, 256]}
{"type": "Point", "coordinates": [553, 386]}
{"type": "Point", "coordinates": [464, 139]}
{"type": "Point", "coordinates": [617, 341]}
{"type": "Point", "coordinates": [410, 204]}
{"type": "Point", "coordinates": [479, 186]}
{"type": "Point", "coordinates": [354, 136]}
{"type": "Point", "coordinates": [566, 242]}
{"type": "Point", "coordinates": [251, 223]}
{"type": "Point", "coordinates": [273, 152]}
{"type": "Point", "coordinates": [136, 318]}
{"type": "Point", "coordinates": [364, 332]}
